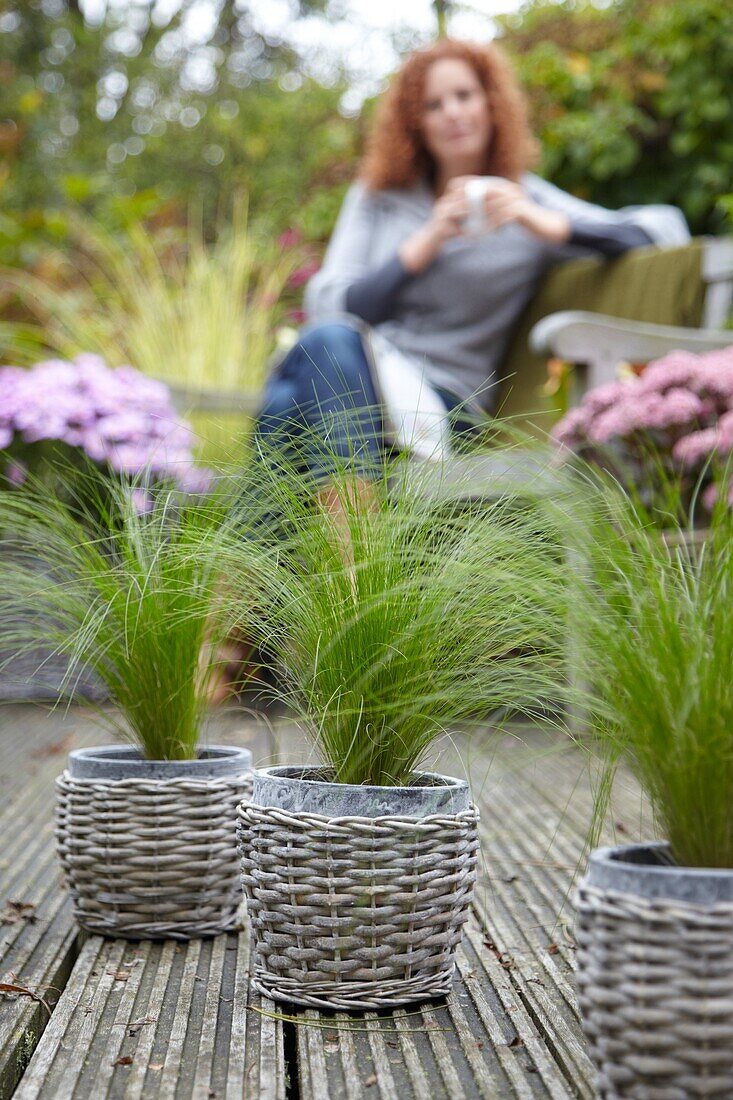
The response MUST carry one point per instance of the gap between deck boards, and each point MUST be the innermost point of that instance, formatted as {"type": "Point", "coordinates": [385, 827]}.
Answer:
{"type": "Point", "coordinates": [290, 1056]}
{"type": "Point", "coordinates": [27, 1035]}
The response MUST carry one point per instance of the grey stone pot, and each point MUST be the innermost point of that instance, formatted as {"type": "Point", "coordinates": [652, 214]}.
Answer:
{"type": "Point", "coordinates": [110, 762]}
{"type": "Point", "coordinates": [655, 973]}
{"type": "Point", "coordinates": [309, 790]}
{"type": "Point", "coordinates": [148, 847]}
{"type": "Point", "coordinates": [648, 871]}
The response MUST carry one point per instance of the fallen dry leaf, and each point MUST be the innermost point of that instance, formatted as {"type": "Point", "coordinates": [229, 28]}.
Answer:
{"type": "Point", "coordinates": [503, 957]}
{"type": "Point", "coordinates": [15, 911]}
{"type": "Point", "coordinates": [372, 1080]}
{"type": "Point", "coordinates": [23, 991]}
{"type": "Point", "coordinates": [57, 748]}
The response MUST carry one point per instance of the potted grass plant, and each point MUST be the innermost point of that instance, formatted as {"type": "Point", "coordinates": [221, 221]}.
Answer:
{"type": "Point", "coordinates": [655, 920]}
{"type": "Point", "coordinates": [391, 621]}
{"type": "Point", "coordinates": [146, 830]}
{"type": "Point", "coordinates": [80, 427]}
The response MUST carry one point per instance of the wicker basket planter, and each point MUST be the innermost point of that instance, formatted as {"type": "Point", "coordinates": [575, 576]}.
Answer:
{"type": "Point", "coordinates": [148, 847]}
{"type": "Point", "coordinates": [655, 956]}
{"type": "Point", "coordinates": [356, 895]}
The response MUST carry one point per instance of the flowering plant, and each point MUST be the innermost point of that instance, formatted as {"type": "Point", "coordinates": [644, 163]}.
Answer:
{"type": "Point", "coordinates": [670, 425]}
{"type": "Point", "coordinates": [84, 414]}
{"type": "Point", "coordinates": [291, 243]}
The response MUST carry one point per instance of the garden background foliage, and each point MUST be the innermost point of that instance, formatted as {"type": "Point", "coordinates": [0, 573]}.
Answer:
{"type": "Point", "coordinates": [125, 120]}
{"type": "Point", "coordinates": [124, 144]}
{"type": "Point", "coordinates": [630, 101]}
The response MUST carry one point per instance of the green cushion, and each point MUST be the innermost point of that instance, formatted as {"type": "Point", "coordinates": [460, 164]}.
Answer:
{"type": "Point", "coordinates": [660, 286]}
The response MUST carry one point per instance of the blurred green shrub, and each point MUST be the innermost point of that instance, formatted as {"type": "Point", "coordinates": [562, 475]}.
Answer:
{"type": "Point", "coordinates": [119, 118]}
{"type": "Point", "coordinates": [632, 101]}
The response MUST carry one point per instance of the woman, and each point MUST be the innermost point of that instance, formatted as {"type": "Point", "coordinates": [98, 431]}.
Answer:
{"type": "Point", "coordinates": [423, 309]}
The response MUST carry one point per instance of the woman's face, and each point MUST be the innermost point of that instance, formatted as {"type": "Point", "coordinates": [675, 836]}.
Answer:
{"type": "Point", "coordinates": [456, 122]}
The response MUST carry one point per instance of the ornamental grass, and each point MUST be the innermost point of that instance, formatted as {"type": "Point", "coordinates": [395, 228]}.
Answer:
{"type": "Point", "coordinates": [654, 638]}
{"type": "Point", "coordinates": [394, 617]}
{"type": "Point", "coordinates": [195, 314]}
{"type": "Point", "coordinates": [134, 598]}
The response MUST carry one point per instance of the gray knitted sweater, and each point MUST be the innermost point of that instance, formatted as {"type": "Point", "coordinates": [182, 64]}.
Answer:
{"type": "Point", "coordinates": [457, 316]}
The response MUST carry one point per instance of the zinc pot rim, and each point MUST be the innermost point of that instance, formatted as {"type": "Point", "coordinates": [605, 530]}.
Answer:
{"type": "Point", "coordinates": [305, 788]}
{"type": "Point", "coordinates": [647, 871]}
{"type": "Point", "coordinates": [113, 762]}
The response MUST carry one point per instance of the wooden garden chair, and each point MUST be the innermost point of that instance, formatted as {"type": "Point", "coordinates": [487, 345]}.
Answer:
{"type": "Point", "coordinates": [592, 313]}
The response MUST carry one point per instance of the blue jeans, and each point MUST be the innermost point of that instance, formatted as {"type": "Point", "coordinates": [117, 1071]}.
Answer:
{"type": "Point", "coordinates": [320, 408]}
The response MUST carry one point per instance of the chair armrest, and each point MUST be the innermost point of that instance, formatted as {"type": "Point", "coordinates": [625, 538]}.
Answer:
{"type": "Point", "coordinates": [224, 401]}
{"type": "Point", "coordinates": [603, 342]}
{"type": "Point", "coordinates": [526, 471]}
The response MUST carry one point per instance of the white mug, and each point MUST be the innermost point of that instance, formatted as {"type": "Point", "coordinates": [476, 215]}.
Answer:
{"type": "Point", "coordinates": [477, 222]}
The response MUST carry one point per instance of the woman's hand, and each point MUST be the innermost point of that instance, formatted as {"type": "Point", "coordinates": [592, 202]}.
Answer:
{"type": "Point", "coordinates": [506, 202]}
{"type": "Point", "coordinates": [446, 221]}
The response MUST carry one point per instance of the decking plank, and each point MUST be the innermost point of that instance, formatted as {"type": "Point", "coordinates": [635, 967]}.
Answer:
{"type": "Point", "coordinates": [37, 935]}
{"type": "Point", "coordinates": [70, 1007]}
{"type": "Point", "coordinates": [545, 809]}
{"type": "Point", "coordinates": [518, 905]}
{"type": "Point", "coordinates": [135, 1084]}
{"type": "Point", "coordinates": [39, 945]}
{"type": "Point", "coordinates": [495, 1027]}
{"type": "Point", "coordinates": [141, 1021]}
{"type": "Point", "coordinates": [165, 1021]}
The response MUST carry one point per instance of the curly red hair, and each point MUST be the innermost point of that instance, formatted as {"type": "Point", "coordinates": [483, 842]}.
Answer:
{"type": "Point", "coordinates": [396, 155]}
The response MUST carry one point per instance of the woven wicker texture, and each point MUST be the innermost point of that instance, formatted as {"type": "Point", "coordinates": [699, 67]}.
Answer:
{"type": "Point", "coordinates": [355, 912]}
{"type": "Point", "coordinates": [150, 858]}
{"type": "Point", "coordinates": [656, 991]}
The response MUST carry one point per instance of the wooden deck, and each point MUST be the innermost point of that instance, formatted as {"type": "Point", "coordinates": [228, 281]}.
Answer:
{"type": "Point", "coordinates": [174, 1021]}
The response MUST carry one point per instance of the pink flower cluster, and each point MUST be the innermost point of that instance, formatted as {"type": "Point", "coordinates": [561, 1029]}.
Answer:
{"type": "Point", "coordinates": [678, 414]}
{"type": "Point", "coordinates": [119, 418]}
{"type": "Point", "coordinates": [683, 402]}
